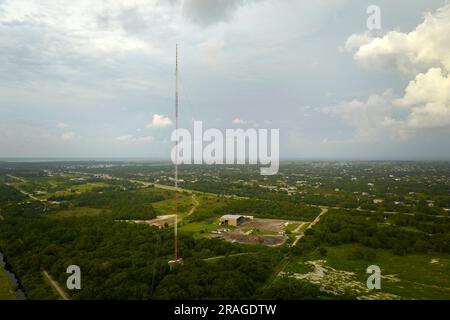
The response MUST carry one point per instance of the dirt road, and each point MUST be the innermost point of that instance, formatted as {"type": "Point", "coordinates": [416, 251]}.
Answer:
{"type": "Point", "coordinates": [56, 285]}
{"type": "Point", "coordinates": [196, 204]}
{"type": "Point", "coordinates": [316, 220]}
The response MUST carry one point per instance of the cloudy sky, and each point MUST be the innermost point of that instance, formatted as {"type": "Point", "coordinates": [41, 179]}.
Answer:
{"type": "Point", "coordinates": [96, 78]}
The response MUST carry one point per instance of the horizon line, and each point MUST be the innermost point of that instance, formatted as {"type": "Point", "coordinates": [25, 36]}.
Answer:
{"type": "Point", "coordinates": [157, 159]}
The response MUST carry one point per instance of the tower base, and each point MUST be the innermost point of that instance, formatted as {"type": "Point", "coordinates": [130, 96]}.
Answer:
{"type": "Point", "coordinates": [175, 263]}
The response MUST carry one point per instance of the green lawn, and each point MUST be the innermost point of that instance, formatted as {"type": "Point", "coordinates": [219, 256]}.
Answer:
{"type": "Point", "coordinates": [7, 290]}
{"type": "Point", "coordinates": [199, 226]}
{"type": "Point", "coordinates": [291, 227]}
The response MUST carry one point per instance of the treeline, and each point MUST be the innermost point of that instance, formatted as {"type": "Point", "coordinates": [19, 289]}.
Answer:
{"type": "Point", "coordinates": [10, 194]}
{"type": "Point", "coordinates": [329, 200]}
{"type": "Point", "coordinates": [226, 188]}
{"type": "Point", "coordinates": [12, 201]}
{"type": "Point", "coordinates": [270, 209]}
{"type": "Point", "coordinates": [405, 206]}
{"type": "Point", "coordinates": [128, 210]}
{"type": "Point", "coordinates": [402, 234]}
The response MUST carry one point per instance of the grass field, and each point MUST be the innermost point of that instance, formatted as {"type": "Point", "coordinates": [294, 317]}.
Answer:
{"type": "Point", "coordinates": [7, 290]}
{"type": "Point", "coordinates": [73, 189]}
{"type": "Point", "coordinates": [291, 227]}
{"type": "Point", "coordinates": [199, 227]}
{"type": "Point", "coordinates": [166, 207]}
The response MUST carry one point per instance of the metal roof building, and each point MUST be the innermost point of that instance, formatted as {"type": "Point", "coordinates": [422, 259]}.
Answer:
{"type": "Point", "coordinates": [232, 220]}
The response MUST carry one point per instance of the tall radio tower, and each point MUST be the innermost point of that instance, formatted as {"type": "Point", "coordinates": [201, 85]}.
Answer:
{"type": "Point", "coordinates": [176, 261]}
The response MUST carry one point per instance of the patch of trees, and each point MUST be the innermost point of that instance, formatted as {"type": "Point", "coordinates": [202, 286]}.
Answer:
{"type": "Point", "coordinates": [330, 200]}
{"type": "Point", "coordinates": [25, 209]}
{"type": "Point", "coordinates": [402, 234]}
{"type": "Point", "coordinates": [270, 209]}
{"type": "Point", "coordinates": [125, 210]}
{"type": "Point", "coordinates": [10, 194]}
{"type": "Point", "coordinates": [237, 277]}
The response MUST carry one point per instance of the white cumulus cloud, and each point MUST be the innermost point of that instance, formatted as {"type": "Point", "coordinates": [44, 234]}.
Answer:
{"type": "Point", "coordinates": [374, 119]}
{"type": "Point", "coordinates": [62, 125]}
{"type": "Point", "coordinates": [422, 54]}
{"type": "Point", "coordinates": [160, 121]}
{"type": "Point", "coordinates": [428, 98]}
{"type": "Point", "coordinates": [148, 139]}
{"type": "Point", "coordinates": [239, 121]}
{"type": "Point", "coordinates": [133, 139]}
{"type": "Point", "coordinates": [124, 138]}
{"type": "Point", "coordinates": [67, 136]}
{"type": "Point", "coordinates": [428, 45]}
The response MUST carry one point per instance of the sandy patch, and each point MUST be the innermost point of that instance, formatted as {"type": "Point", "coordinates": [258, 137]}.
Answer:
{"type": "Point", "coordinates": [339, 282]}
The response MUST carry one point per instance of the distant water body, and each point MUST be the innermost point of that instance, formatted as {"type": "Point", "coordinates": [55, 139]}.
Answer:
{"type": "Point", "coordinates": [3, 265]}
{"type": "Point", "coordinates": [82, 160]}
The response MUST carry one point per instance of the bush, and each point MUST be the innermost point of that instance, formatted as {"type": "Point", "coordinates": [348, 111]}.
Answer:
{"type": "Point", "coordinates": [361, 253]}
{"type": "Point", "coordinates": [323, 251]}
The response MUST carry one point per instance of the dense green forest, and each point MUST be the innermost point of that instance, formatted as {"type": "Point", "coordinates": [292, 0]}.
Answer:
{"type": "Point", "coordinates": [236, 277]}
{"type": "Point", "coordinates": [403, 234]}
{"type": "Point", "coordinates": [270, 209]}
{"type": "Point", "coordinates": [9, 195]}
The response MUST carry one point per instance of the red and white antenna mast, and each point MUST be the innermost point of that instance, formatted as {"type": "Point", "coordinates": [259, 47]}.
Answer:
{"type": "Point", "coordinates": [176, 154]}
{"type": "Point", "coordinates": [176, 260]}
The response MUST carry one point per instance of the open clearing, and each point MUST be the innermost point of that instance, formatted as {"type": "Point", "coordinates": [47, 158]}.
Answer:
{"type": "Point", "coordinates": [339, 273]}
{"type": "Point", "coordinates": [159, 222]}
{"type": "Point", "coordinates": [339, 282]}
{"type": "Point", "coordinates": [187, 207]}
{"type": "Point", "coordinates": [269, 232]}
{"type": "Point", "coordinates": [271, 225]}
{"type": "Point", "coordinates": [270, 240]}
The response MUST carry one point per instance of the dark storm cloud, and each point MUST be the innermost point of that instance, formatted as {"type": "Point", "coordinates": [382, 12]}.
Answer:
{"type": "Point", "coordinates": [206, 13]}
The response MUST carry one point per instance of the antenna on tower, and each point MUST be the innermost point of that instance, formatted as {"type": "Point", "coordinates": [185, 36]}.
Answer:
{"type": "Point", "coordinates": [176, 261]}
